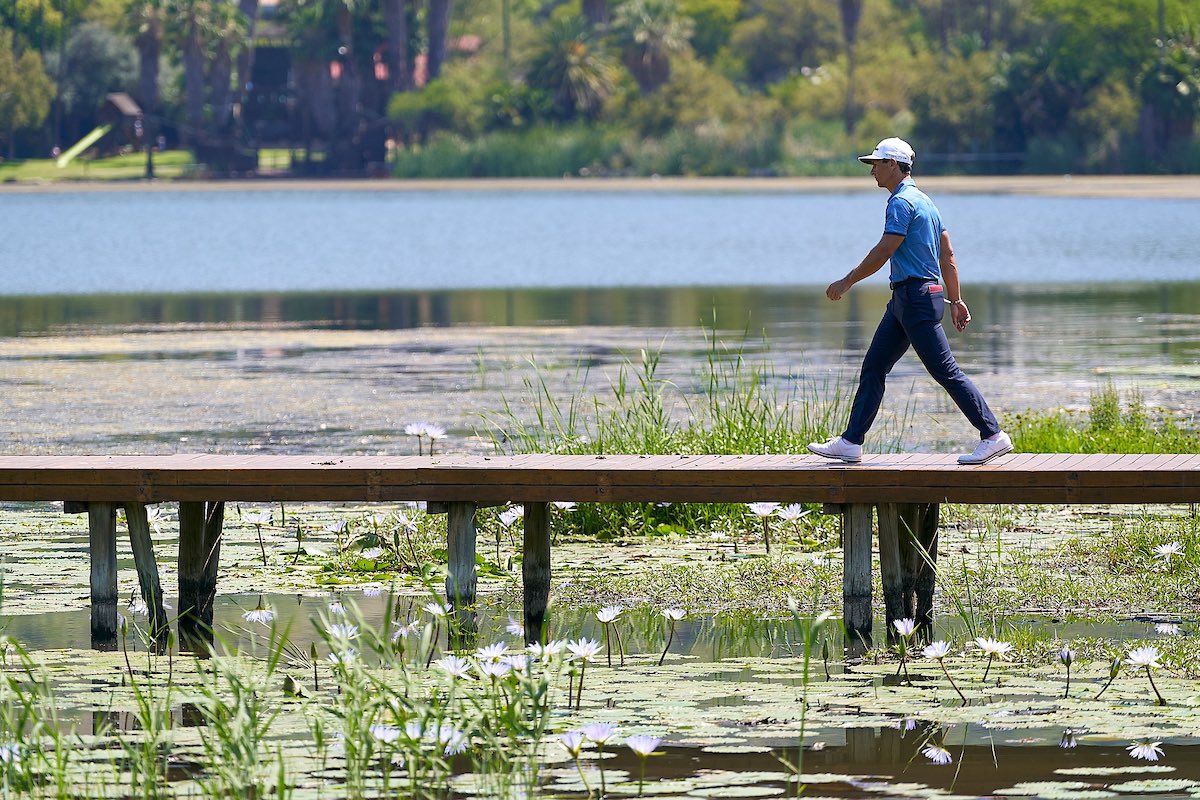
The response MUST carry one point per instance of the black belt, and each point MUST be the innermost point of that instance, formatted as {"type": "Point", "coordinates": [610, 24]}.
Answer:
{"type": "Point", "coordinates": [893, 284]}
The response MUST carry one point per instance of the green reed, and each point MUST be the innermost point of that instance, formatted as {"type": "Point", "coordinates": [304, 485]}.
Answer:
{"type": "Point", "coordinates": [1109, 428]}
{"type": "Point", "coordinates": [735, 404]}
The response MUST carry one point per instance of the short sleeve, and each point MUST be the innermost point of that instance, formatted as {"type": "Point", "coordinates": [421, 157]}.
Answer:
{"type": "Point", "coordinates": [898, 217]}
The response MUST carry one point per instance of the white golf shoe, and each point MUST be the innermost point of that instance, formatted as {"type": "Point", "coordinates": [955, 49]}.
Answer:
{"type": "Point", "coordinates": [838, 448]}
{"type": "Point", "coordinates": [992, 447]}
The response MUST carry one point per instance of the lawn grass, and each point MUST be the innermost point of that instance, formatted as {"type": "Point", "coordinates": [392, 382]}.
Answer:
{"type": "Point", "coordinates": [131, 166]}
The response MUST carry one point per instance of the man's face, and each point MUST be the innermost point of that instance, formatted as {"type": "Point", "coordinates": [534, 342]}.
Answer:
{"type": "Point", "coordinates": [886, 172]}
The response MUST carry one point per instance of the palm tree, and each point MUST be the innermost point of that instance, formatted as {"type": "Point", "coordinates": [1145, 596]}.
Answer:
{"type": "Point", "coordinates": [650, 32]}
{"type": "Point", "coordinates": [574, 68]}
{"type": "Point", "coordinates": [146, 19]}
{"type": "Point", "coordinates": [228, 27]}
{"type": "Point", "coordinates": [190, 24]}
{"type": "Point", "coordinates": [245, 59]}
{"type": "Point", "coordinates": [851, 11]}
{"type": "Point", "coordinates": [395, 17]}
{"type": "Point", "coordinates": [439, 27]}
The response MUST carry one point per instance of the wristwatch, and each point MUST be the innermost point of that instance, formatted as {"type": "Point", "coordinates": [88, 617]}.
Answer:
{"type": "Point", "coordinates": [957, 302]}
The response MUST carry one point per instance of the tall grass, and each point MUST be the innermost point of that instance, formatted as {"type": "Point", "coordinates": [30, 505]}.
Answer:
{"type": "Point", "coordinates": [734, 406]}
{"type": "Point", "coordinates": [1109, 429]}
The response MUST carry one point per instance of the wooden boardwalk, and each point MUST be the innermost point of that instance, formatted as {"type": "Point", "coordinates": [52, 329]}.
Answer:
{"type": "Point", "coordinates": [906, 489]}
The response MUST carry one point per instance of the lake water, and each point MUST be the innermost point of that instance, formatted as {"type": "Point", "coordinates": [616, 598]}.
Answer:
{"type": "Point", "coordinates": [289, 321]}
{"type": "Point", "coordinates": [285, 241]}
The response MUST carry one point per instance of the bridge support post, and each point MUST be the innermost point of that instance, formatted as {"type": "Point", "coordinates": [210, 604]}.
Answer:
{"type": "Point", "coordinates": [921, 521]}
{"type": "Point", "coordinates": [147, 569]}
{"type": "Point", "coordinates": [102, 543]}
{"type": "Point", "coordinates": [199, 556]}
{"type": "Point", "coordinates": [535, 569]}
{"type": "Point", "coordinates": [856, 577]}
{"type": "Point", "coordinates": [893, 568]}
{"type": "Point", "coordinates": [460, 569]}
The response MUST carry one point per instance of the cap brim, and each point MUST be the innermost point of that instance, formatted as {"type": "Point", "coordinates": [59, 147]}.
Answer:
{"type": "Point", "coordinates": [871, 159]}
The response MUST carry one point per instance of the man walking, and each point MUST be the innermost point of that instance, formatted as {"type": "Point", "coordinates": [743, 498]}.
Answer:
{"type": "Point", "coordinates": [924, 277]}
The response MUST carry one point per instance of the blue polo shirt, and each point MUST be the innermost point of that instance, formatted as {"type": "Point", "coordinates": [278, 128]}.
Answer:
{"type": "Point", "coordinates": [911, 214]}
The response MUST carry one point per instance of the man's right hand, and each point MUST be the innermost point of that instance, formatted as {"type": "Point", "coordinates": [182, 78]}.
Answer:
{"type": "Point", "coordinates": [837, 289]}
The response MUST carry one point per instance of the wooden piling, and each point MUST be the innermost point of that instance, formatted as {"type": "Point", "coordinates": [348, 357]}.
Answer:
{"type": "Point", "coordinates": [891, 569]}
{"type": "Point", "coordinates": [925, 560]}
{"type": "Point", "coordinates": [535, 569]}
{"type": "Point", "coordinates": [147, 568]}
{"type": "Point", "coordinates": [460, 554]}
{"type": "Point", "coordinates": [102, 544]}
{"type": "Point", "coordinates": [199, 557]}
{"type": "Point", "coordinates": [856, 577]}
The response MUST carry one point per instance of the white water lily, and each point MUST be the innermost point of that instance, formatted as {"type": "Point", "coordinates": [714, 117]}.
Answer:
{"type": "Point", "coordinates": [519, 662]}
{"type": "Point", "coordinates": [138, 606]}
{"type": "Point", "coordinates": [1168, 551]}
{"type": "Point", "coordinates": [643, 745]}
{"type": "Point", "coordinates": [258, 517]}
{"type": "Point", "coordinates": [993, 648]}
{"type": "Point", "coordinates": [674, 614]}
{"type": "Point", "coordinates": [572, 742]}
{"type": "Point", "coordinates": [1168, 629]}
{"type": "Point", "coordinates": [10, 753]}
{"type": "Point", "coordinates": [937, 754]}
{"type": "Point", "coordinates": [437, 609]}
{"type": "Point", "coordinates": [792, 512]}
{"type": "Point", "coordinates": [493, 652]}
{"type": "Point", "coordinates": [454, 666]}
{"type": "Point", "coordinates": [493, 669]}
{"type": "Point", "coordinates": [344, 659]}
{"type": "Point", "coordinates": [337, 608]}
{"type": "Point", "coordinates": [511, 515]}
{"type": "Point", "coordinates": [388, 734]}
{"type": "Point", "coordinates": [454, 740]}
{"type": "Point", "coordinates": [609, 614]}
{"type": "Point", "coordinates": [336, 527]}
{"type": "Point", "coordinates": [262, 616]}
{"type": "Point", "coordinates": [515, 628]}
{"type": "Point", "coordinates": [565, 506]}
{"type": "Point", "coordinates": [372, 591]}
{"type": "Point", "coordinates": [599, 732]}
{"type": "Point", "coordinates": [762, 509]}
{"type": "Point", "coordinates": [1146, 750]}
{"type": "Point", "coordinates": [938, 650]}
{"type": "Point", "coordinates": [584, 650]}
{"type": "Point", "coordinates": [371, 553]}
{"type": "Point", "coordinates": [548, 651]}
{"type": "Point", "coordinates": [344, 632]}
{"type": "Point", "coordinates": [1144, 657]}
{"type": "Point", "coordinates": [905, 627]}
{"type": "Point", "coordinates": [1066, 656]}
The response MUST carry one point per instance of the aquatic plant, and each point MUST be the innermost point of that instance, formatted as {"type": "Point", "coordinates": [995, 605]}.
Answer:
{"type": "Point", "coordinates": [584, 651]}
{"type": "Point", "coordinates": [607, 616]}
{"type": "Point", "coordinates": [258, 519]}
{"type": "Point", "coordinates": [1066, 657]}
{"type": "Point", "coordinates": [598, 733]}
{"type": "Point", "coordinates": [572, 742]}
{"type": "Point", "coordinates": [672, 615]}
{"type": "Point", "coordinates": [764, 512]}
{"type": "Point", "coordinates": [993, 649]}
{"type": "Point", "coordinates": [643, 747]}
{"type": "Point", "coordinates": [938, 651]}
{"type": "Point", "coordinates": [1147, 658]}
{"type": "Point", "coordinates": [1146, 750]}
{"type": "Point", "coordinates": [905, 628]}
{"type": "Point", "coordinates": [1114, 670]}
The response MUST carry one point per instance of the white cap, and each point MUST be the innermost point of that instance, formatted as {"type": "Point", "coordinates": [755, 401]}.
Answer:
{"type": "Point", "coordinates": [894, 148]}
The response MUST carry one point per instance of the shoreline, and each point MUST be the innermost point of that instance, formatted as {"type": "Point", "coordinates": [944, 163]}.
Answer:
{"type": "Point", "coordinates": [1166, 187]}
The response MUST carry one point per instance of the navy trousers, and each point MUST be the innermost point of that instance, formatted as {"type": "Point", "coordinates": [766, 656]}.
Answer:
{"type": "Point", "coordinates": [914, 317]}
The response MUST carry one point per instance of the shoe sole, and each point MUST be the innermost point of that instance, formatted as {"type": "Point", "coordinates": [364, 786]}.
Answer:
{"type": "Point", "coordinates": [846, 459]}
{"type": "Point", "coordinates": [992, 457]}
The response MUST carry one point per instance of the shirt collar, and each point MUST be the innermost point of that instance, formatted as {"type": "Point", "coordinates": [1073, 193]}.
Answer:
{"type": "Point", "coordinates": [906, 179]}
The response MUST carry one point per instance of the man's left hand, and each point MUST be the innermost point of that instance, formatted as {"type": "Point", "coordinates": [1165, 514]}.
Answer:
{"type": "Point", "coordinates": [961, 316]}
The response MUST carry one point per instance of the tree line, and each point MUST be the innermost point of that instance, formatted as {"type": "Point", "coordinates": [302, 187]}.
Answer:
{"type": "Point", "coordinates": [487, 87]}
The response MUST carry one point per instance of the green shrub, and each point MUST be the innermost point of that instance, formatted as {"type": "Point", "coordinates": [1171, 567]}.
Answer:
{"type": "Point", "coordinates": [1109, 429]}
